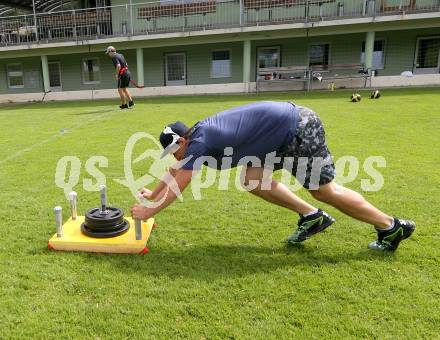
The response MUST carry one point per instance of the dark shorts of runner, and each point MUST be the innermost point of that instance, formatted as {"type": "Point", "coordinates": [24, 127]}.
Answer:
{"type": "Point", "coordinates": [124, 80]}
{"type": "Point", "coordinates": [308, 157]}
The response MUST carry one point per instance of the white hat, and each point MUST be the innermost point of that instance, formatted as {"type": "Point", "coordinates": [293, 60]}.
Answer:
{"type": "Point", "coordinates": [171, 145]}
{"type": "Point", "coordinates": [110, 49]}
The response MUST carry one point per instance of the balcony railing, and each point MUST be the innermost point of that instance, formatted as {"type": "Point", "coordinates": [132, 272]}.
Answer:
{"type": "Point", "coordinates": [191, 15]}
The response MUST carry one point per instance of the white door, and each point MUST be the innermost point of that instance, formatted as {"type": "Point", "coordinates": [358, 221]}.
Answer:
{"type": "Point", "coordinates": [427, 58]}
{"type": "Point", "coordinates": [55, 76]}
{"type": "Point", "coordinates": [175, 69]}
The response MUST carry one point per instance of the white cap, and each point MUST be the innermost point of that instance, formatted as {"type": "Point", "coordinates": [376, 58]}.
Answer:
{"type": "Point", "coordinates": [110, 49]}
{"type": "Point", "coordinates": [173, 146]}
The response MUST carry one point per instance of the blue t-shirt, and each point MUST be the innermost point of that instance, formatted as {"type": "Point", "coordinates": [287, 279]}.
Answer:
{"type": "Point", "coordinates": [255, 129]}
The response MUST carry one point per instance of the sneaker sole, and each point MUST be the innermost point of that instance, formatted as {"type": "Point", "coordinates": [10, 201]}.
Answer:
{"type": "Point", "coordinates": [322, 227]}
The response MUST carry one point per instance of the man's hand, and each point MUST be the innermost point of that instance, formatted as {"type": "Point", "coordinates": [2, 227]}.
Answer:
{"type": "Point", "coordinates": [139, 212]}
{"type": "Point", "coordinates": [145, 193]}
{"type": "Point", "coordinates": [117, 77]}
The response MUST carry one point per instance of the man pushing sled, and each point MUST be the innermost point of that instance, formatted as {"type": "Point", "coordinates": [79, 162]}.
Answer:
{"type": "Point", "coordinates": [287, 132]}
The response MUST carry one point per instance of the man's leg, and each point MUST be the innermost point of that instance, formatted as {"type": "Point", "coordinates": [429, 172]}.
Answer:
{"type": "Point", "coordinates": [312, 220]}
{"type": "Point", "coordinates": [352, 204]}
{"type": "Point", "coordinates": [390, 231]}
{"type": "Point", "coordinates": [313, 145]}
{"type": "Point", "coordinates": [128, 95]}
{"type": "Point", "coordinates": [122, 96]}
{"type": "Point", "coordinates": [278, 194]}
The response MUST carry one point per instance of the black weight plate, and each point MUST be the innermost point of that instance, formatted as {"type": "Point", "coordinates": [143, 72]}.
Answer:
{"type": "Point", "coordinates": [111, 213]}
{"type": "Point", "coordinates": [102, 224]}
{"type": "Point", "coordinates": [94, 217]}
{"type": "Point", "coordinates": [104, 229]}
{"type": "Point", "coordinates": [96, 225]}
{"type": "Point", "coordinates": [120, 231]}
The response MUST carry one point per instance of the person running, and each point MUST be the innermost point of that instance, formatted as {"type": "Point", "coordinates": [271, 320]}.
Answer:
{"type": "Point", "coordinates": [123, 77]}
{"type": "Point", "coordinates": [287, 133]}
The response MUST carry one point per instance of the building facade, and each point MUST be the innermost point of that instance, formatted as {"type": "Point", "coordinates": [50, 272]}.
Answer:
{"type": "Point", "coordinates": [207, 46]}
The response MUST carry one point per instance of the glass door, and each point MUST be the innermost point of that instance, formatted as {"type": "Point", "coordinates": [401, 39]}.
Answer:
{"type": "Point", "coordinates": [55, 76]}
{"type": "Point", "coordinates": [175, 69]}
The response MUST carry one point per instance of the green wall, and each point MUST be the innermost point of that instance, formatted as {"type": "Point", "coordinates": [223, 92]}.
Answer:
{"type": "Point", "coordinates": [400, 47]}
{"type": "Point", "coordinates": [198, 62]}
{"type": "Point", "coordinates": [71, 75]}
{"type": "Point", "coordinates": [31, 66]}
{"type": "Point", "coordinates": [344, 49]}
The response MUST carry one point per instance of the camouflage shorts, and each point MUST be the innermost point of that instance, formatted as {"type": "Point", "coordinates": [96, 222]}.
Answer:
{"type": "Point", "coordinates": [308, 157]}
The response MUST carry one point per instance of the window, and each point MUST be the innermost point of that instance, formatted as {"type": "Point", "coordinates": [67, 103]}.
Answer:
{"type": "Point", "coordinates": [428, 53]}
{"type": "Point", "coordinates": [15, 76]}
{"type": "Point", "coordinates": [268, 57]}
{"type": "Point", "coordinates": [378, 54]}
{"type": "Point", "coordinates": [319, 54]}
{"type": "Point", "coordinates": [221, 64]}
{"type": "Point", "coordinates": [32, 79]}
{"type": "Point", "coordinates": [90, 71]}
{"type": "Point", "coordinates": [55, 74]}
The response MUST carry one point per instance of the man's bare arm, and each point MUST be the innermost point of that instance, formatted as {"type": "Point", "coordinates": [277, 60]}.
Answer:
{"type": "Point", "coordinates": [118, 68]}
{"type": "Point", "coordinates": [151, 195]}
{"type": "Point", "coordinates": [167, 196]}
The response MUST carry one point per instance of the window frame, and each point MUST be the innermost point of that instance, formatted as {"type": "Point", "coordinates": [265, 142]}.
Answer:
{"type": "Point", "coordinates": [328, 57]}
{"type": "Point", "coordinates": [418, 39]}
{"type": "Point", "coordinates": [230, 63]}
{"type": "Point", "coordinates": [9, 77]}
{"type": "Point", "coordinates": [259, 48]}
{"type": "Point", "coordinates": [85, 82]}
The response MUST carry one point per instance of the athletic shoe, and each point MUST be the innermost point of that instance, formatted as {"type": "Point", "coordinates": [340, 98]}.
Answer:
{"type": "Point", "coordinates": [389, 240]}
{"type": "Point", "coordinates": [131, 104]}
{"type": "Point", "coordinates": [311, 225]}
{"type": "Point", "coordinates": [122, 107]}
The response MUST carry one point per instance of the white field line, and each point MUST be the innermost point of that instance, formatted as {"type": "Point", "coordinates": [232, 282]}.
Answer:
{"type": "Point", "coordinates": [54, 137]}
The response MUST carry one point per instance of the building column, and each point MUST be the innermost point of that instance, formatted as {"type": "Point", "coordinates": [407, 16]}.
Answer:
{"type": "Point", "coordinates": [369, 49]}
{"type": "Point", "coordinates": [45, 69]}
{"type": "Point", "coordinates": [140, 66]}
{"type": "Point", "coordinates": [247, 64]}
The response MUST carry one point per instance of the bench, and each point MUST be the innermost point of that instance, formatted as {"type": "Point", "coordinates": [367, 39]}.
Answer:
{"type": "Point", "coordinates": [63, 25]}
{"type": "Point", "coordinates": [283, 74]}
{"type": "Point", "coordinates": [77, 18]}
{"type": "Point", "coordinates": [339, 71]}
{"type": "Point", "coordinates": [176, 10]}
{"type": "Point", "coordinates": [385, 7]}
{"type": "Point", "coordinates": [259, 4]}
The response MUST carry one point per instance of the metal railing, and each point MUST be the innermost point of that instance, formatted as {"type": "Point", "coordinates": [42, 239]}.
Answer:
{"type": "Point", "coordinates": [191, 15]}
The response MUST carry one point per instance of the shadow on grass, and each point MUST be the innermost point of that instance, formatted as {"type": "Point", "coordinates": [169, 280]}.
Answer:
{"type": "Point", "coordinates": [114, 109]}
{"type": "Point", "coordinates": [209, 263]}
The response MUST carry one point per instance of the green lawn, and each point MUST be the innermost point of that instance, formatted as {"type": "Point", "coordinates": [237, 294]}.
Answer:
{"type": "Point", "coordinates": [219, 268]}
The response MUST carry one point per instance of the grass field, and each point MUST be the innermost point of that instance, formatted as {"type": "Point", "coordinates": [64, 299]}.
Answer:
{"type": "Point", "coordinates": [219, 268]}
